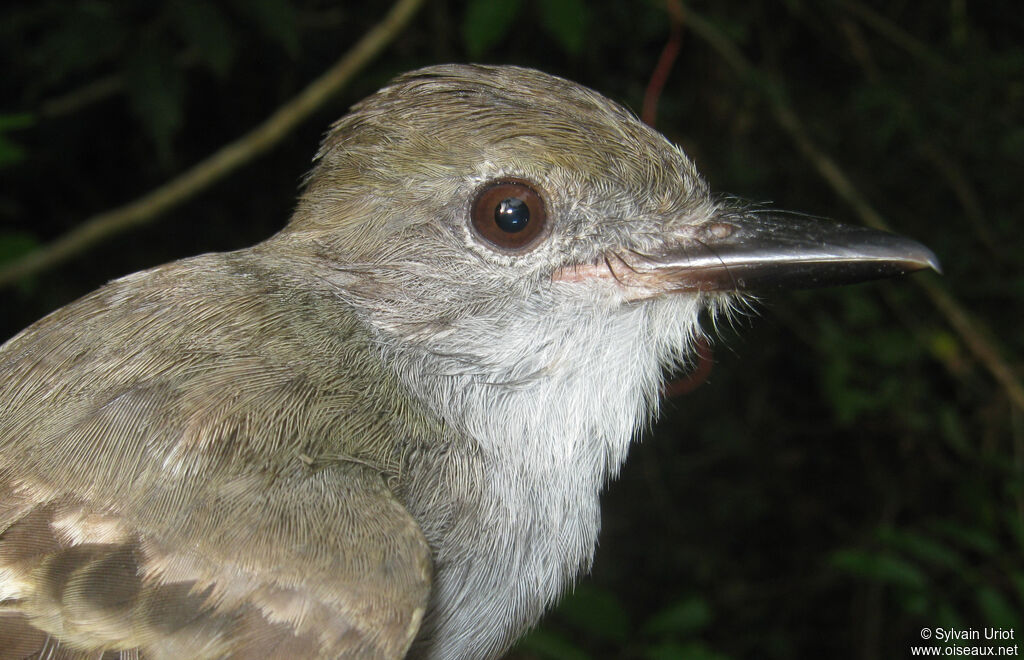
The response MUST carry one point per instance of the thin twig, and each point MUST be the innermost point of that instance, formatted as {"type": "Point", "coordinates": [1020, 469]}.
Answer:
{"type": "Point", "coordinates": [649, 110]}
{"type": "Point", "coordinates": [222, 162]}
{"type": "Point", "coordinates": [946, 167]}
{"type": "Point", "coordinates": [894, 33]}
{"type": "Point", "coordinates": [106, 86]}
{"type": "Point", "coordinates": [859, 48]}
{"type": "Point", "coordinates": [99, 90]}
{"type": "Point", "coordinates": [970, 330]}
{"type": "Point", "coordinates": [969, 199]}
{"type": "Point", "coordinates": [76, 99]}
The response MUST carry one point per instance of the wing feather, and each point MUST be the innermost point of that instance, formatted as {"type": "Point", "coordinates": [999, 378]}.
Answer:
{"type": "Point", "coordinates": [203, 475]}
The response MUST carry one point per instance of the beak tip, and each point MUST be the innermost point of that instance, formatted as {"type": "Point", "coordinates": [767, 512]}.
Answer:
{"type": "Point", "coordinates": [922, 258]}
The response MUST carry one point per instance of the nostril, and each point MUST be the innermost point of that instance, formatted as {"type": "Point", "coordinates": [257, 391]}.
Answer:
{"type": "Point", "coordinates": [720, 230]}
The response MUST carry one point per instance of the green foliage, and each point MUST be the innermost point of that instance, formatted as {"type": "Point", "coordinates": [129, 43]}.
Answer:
{"type": "Point", "coordinates": [205, 27]}
{"type": "Point", "coordinates": [14, 244]}
{"type": "Point", "coordinates": [996, 608]}
{"type": "Point", "coordinates": [592, 622]}
{"type": "Point", "coordinates": [149, 50]}
{"type": "Point", "coordinates": [546, 644]}
{"type": "Point", "coordinates": [275, 19]}
{"type": "Point", "coordinates": [864, 360]}
{"type": "Point", "coordinates": [921, 548]}
{"type": "Point", "coordinates": [685, 617]}
{"type": "Point", "coordinates": [10, 151]}
{"type": "Point", "coordinates": [566, 20]}
{"type": "Point", "coordinates": [685, 651]}
{"type": "Point", "coordinates": [486, 22]}
{"type": "Point", "coordinates": [86, 34]}
{"type": "Point", "coordinates": [155, 93]}
{"type": "Point", "coordinates": [596, 613]}
{"type": "Point", "coordinates": [949, 572]}
{"type": "Point", "coordinates": [880, 567]}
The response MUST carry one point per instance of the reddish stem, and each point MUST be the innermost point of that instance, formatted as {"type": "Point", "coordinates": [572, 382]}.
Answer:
{"type": "Point", "coordinates": [668, 56]}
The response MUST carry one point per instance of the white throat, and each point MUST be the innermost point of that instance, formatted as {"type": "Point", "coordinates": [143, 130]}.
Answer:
{"type": "Point", "coordinates": [549, 411]}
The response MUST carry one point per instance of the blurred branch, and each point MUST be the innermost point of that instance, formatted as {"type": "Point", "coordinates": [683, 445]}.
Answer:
{"type": "Point", "coordinates": [97, 90]}
{"type": "Point", "coordinates": [1017, 427]}
{"type": "Point", "coordinates": [970, 330]}
{"type": "Point", "coordinates": [946, 167]}
{"type": "Point", "coordinates": [87, 94]}
{"type": "Point", "coordinates": [109, 85]}
{"type": "Point", "coordinates": [649, 111]}
{"type": "Point", "coordinates": [859, 48]}
{"type": "Point", "coordinates": [222, 162]}
{"type": "Point", "coordinates": [970, 202]}
{"type": "Point", "coordinates": [894, 33]}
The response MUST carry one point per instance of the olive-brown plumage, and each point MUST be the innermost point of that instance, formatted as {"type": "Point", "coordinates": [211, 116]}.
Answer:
{"type": "Point", "coordinates": [385, 429]}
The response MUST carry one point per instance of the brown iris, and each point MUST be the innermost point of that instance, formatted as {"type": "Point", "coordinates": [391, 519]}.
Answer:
{"type": "Point", "coordinates": [509, 215]}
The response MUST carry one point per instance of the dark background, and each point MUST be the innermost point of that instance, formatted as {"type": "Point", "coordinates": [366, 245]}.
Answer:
{"type": "Point", "coordinates": [850, 473]}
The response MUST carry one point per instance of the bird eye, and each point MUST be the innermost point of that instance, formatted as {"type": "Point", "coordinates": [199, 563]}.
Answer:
{"type": "Point", "coordinates": [509, 215]}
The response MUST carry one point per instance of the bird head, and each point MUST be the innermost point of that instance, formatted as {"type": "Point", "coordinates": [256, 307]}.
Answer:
{"type": "Point", "coordinates": [509, 227]}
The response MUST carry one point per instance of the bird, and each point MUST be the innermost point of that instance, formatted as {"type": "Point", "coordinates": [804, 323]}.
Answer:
{"type": "Point", "coordinates": [384, 431]}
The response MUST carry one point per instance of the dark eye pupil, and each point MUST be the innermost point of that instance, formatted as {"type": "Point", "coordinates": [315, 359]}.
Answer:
{"type": "Point", "coordinates": [512, 215]}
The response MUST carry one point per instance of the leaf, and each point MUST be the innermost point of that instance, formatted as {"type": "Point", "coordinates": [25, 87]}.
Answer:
{"type": "Point", "coordinates": [860, 310]}
{"type": "Point", "coordinates": [566, 20]}
{"type": "Point", "coordinates": [922, 547]}
{"type": "Point", "coordinates": [87, 34]}
{"type": "Point", "coordinates": [15, 244]}
{"type": "Point", "coordinates": [16, 121]}
{"type": "Point", "coordinates": [546, 644]}
{"type": "Point", "coordinates": [916, 602]}
{"type": "Point", "coordinates": [682, 618]}
{"type": "Point", "coordinates": [486, 22]}
{"type": "Point", "coordinates": [1016, 527]}
{"type": "Point", "coordinates": [155, 93]}
{"type": "Point", "coordinates": [997, 610]}
{"type": "Point", "coordinates": [946, 616]}
{"type": "Point", "coordinates": [974, 539]}
{"type": "Point", "coordinates": [952, 430]}
{"type": "Point", "coordinates": [676, 651]}
{"type": "Point", "coordinates": [203, 26]}
{"type": "Point", "coordinates": [879, 567]}
{"type": "Point", "coordinates": [1012, 143]}
{"type": "Point", "coordinates": [595, 612]}
{"type": "Point", "coordinates": [1017, 578]}
{"type": "Point", "coordinates": [10, 152]}
{"type": "Point", "coordinates": [944, 345]}
{"type": "Point", "coordinates": [275, 18]}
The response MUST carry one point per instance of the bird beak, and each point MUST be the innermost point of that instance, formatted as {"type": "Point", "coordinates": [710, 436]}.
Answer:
{"type": "Point", "coordinates": [756, 252]}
